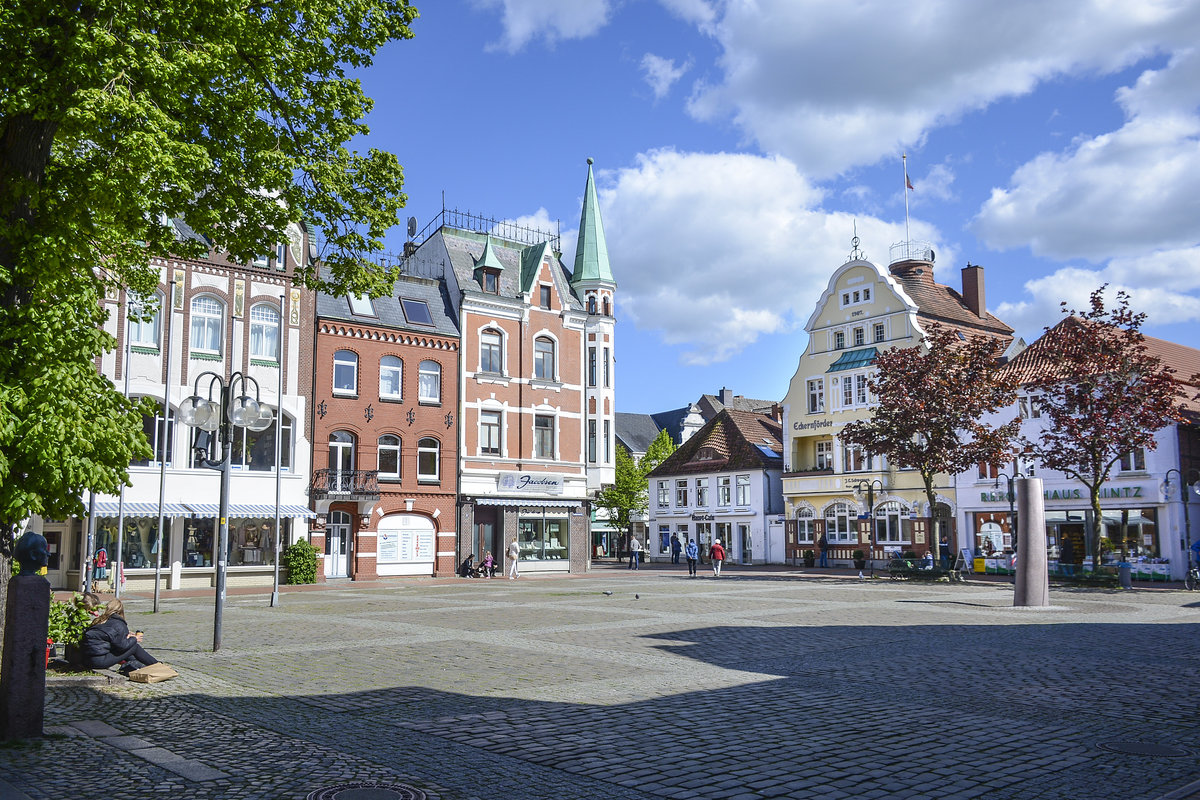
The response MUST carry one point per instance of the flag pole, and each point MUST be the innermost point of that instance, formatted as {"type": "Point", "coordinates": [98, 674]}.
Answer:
{"type": "Point", "coordinates": [907, 186]}
{"type": "Point", "coordinates": [167, 316]}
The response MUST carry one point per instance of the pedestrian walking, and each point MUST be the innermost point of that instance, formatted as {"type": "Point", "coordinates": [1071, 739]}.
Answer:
{"type": "Point", "coordinates": [823, 546]}
{"type": "Point", "coordinates": [635, 552]}
{"type": "Point", "coordinates": [514, 554]}
{"type": "Point", "coordinates": [676, 546]}
{"type": "Point", "coordinates": [693, 553]}
{"type": "Point", "coordinates": [945, 551]}
{"type": "Point", "coordinates": [1066, 558]}
{"type": "Point", "coordinates": [717, 554]}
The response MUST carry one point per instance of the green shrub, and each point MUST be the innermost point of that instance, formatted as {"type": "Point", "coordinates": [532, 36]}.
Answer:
{"type": "Point", "coordinates": [69, 619]}
{"type": "Point", "coordinates": [809, 554]}
{"type": "Point", "coordinates": [858, 555]}
{"type": "Point", "coordinates": [910, 554]}
{"type": "Point", "coordinates": [300, 559]}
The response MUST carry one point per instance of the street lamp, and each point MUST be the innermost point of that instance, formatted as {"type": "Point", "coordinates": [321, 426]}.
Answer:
{"type": "Point", "coordinates": [869, 487]}
{"type": "Point", "coordinates": [1012, 502]}
{"type": "Point", "coordinates": [1183, 496]}
{"type": "Point", "coordinates": [215, 421]}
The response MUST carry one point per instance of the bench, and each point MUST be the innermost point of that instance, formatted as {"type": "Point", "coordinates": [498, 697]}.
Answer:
{"type": "Point", "coordinates": [915, 569]}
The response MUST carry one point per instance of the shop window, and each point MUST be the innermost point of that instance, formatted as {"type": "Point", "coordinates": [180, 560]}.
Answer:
{"type": "Point", "coordinates": [428, 460]}
{"type": "Point", "coordinates": [489, 433]}
{"type": "Point", "coordinates": [264, 332]}
{"type": "Point", "coordinates": [208, 325]}
{"type": "Point", "coordinates": [389, 457]}
{"type": "Point", "coordinates": [892, 524]}
{"type": "Point", "coordinates": [430, 382]}
{"type": "Point", "coordinates": [542, 538]}
{"type": "Point", "coordinates": [345, 372]}
{"type": "Point", "coordinates": [391, 378]}
{"type": "Point", "coordinates": [543, 358]}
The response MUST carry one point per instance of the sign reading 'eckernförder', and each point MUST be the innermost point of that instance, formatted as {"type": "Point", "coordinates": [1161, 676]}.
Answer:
{"type": "Point", "coordinates": [531, 482]}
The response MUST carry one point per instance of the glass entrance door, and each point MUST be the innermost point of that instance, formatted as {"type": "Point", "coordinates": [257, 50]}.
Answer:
{"type": "Point", "coordinates": [337, 536]}
{"type": "Point", "coordinates": [747, 545]}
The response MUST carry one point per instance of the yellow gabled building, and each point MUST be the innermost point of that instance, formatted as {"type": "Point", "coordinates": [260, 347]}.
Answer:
{"type": "Point", "coordinates": [855, 498]}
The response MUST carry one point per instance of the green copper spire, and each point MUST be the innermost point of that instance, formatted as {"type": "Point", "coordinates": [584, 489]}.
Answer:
{"type": "Point", "coordinates": [591, 251]}
{"type": "Point", "coordinates": [488, 259]}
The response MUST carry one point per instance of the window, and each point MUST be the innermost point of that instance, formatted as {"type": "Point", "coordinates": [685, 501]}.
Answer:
{"type": "Point", "coordinates": [143, 332]}
{"type": "Point", "coordinates": [860, 337]}
{"type": "Point", "coordinates": [545, 297]}
{"type": "Point", "coordinates": [702, 492]}
{"type": "Point", "coordinates": [825, 455]}
{"type": "Point", "coordinates": [607, 308]}
{"type": "Point", "coordinates": [892, 524]}
{"type": "Point", "coordinates": [429, 382]}
{"type": "Point", "coordinates": [845, 298]}
{"type": "Point", "coordinates": [1134, 461]}
{"type": "Point", "coordinates": [345, 372]}
{"type": "Point", "coordinates": [681, 493]}
{"type": "Point", "coordinates": [805, 525]}
{"type": "Point", "coordinates": [839, 524]}
{"type": "Point", "coordinates": [208, 325]}
{"type": "Point", "coordinates": [1028, 407]}
{"type": "Point", "coordinates": [743, 490]}
{"type": "Point", "coordinates": [591, 366]}
{"type": "Point", "coordinates": [592, 441]}
{"type": "Point", "coordinates": [416, 312]}
{"type": "Point", "coordinates": [988, 471]}
{"type": "Point", "coordinates": [607, 441]}
{"type": "Point", "coordinates": [592, 304]}
{"type": "Point", "coordinates": [723, 491]}
{"type": "Point", "coordinates": [607, 380]}
{"type": "Point", "coordinates": [255, 450]}
{"type": "Point", "coordinates": [543, 359]}
{"type": "Point", "coordinates": [427, 460]}
{"type": "Point", "coordinates": [361, 305]}
{"type": "Point", "coordinates": [490, 352]}
{"type": "Point", "coordinates": [341, 461]}
{"type": "Point", "coordinates": [491, 281]}
{"type": "Point", "coordinates": [664, 496]}
{"type": "Point", "coordinates": [856, 459]}
{"type": "Point", "coordinates": [389, 456]}
{"type": "Point", "coordinates": [880, 331]}
{"type": "Point", "coordinates": [816, 395]}
{"type": "Point", "coordinates": [161, 449]}
{"type": "Point", "coordinates": [391, 378]}
{"type": "Point", "coordinates": [857, 297]}
{"type": "Point", "coordinates": [1027, 466]}
{"type": "Point", "coordinates": [489, 432]}
{"type": "Point", "coordinates": [543, 436]}
{"type": "Point", "coordinates": [847, 391]}
{"type": "Point", "coordinates": [866, 296]}
{"type": "Point", "coordinates": [264, 332]}
{"type": "Point", "coordinates": [860, 389]}
{"type": "Point", "coordinates": [839, 340]}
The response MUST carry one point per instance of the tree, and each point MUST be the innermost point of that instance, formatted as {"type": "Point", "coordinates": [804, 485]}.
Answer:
{"type": "Point", "coordinates": [628, 496]}
{"type": "Point", "coordinates": [932, 399]}
{"type": "Point", "coordinates": [116, 119]}
{"type": "Point", "coordinates": [1101, 396]}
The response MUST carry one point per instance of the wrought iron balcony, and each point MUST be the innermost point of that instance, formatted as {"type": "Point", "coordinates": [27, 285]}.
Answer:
{"type": "Point", "coordinates": [345, 484]}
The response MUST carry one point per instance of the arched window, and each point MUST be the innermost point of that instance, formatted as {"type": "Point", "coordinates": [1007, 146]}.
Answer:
{"type": "Point", "coordinates": [389, 456]}
{"type": "Point", "coordinates": [592, 304]}
{"type": "Point", "coordinates": [839, 523]}
{"type": "Point", "coordinates": [143, 330]}
{"type": "Point", "coordinates": [607, 308]}
{"type": "Point", "coordinates": [543, 358]}
{"type": "Point", "coordinates": [345, 372]}
{"type": "Point", "coordinates": [430, 382]}
{"type": "Point", "coordinates": [428, 451]}
{"type": "Point", "coordinates": [805, 525]}
{"type": "Point", "coordinates": [491, 352]}
{"type": "Point", "coordinates": [341, 461]}
{"type": "Point", "coordinates": [264, 332]}
{"type": "Point", "coordinates": [892, 524]}
{"type": "Point", "coordinates": [391, 378]}
{"type": "Point", "coordinates": [208, 325]}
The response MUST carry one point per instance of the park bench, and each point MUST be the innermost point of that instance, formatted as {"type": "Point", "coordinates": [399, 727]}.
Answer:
{"type": "Point", "coordinates": [916, 569]}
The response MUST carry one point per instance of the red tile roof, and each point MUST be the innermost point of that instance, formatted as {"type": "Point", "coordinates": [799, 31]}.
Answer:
{"type": "Point", "coordinates": [939, 303]}
{"type": "Point", "coordinates": [736, 438]}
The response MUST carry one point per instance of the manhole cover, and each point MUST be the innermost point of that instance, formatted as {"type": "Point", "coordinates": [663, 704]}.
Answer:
{"type": "Point", "coordinates": [367, 791]}
{"type": "Point", "coordinates": [1144, 749]}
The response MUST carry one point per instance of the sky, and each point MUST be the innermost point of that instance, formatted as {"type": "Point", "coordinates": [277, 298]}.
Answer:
{"type": "Point", "coordinates": [739, 145]}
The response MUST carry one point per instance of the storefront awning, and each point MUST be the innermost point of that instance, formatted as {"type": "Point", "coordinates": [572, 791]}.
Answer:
{"type": "Point", "coordinates": [251, 510]}
{"type": "Point", "coordinates": [526, 501]}
{"type": "Point", "coordinates": [112, 508]}
{"type": "Point", "coordinates": [854, 359]}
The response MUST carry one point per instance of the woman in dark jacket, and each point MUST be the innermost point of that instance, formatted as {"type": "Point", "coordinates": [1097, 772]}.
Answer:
{"type": "Point", "coordinates": [108, 641]}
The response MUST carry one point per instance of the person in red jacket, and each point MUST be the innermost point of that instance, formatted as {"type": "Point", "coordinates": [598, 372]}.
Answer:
{"type": "Point", "coordinates": [717, 554]}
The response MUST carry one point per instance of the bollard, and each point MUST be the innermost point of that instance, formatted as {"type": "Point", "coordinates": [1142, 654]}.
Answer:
{"type": "Point", "coordinates": [1033, 581]}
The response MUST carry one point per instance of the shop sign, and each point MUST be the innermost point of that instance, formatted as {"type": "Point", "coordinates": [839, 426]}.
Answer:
{"type": "Point", "coordinates": [530, 482]}
{"type": "Point", "coordinates": [703, 517]}
{"type": "Point", "coordinates": [1106, 493]}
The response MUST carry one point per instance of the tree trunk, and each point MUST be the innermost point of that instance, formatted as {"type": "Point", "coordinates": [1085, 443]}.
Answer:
{"type": "Point", "coordinates": [1096, 527]}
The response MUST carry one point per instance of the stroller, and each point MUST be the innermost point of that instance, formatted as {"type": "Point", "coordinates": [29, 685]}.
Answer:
{"type": "Point", "coordinates": [468, 569]}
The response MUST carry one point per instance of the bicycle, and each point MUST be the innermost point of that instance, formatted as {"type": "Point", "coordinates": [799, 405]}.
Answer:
{"type": "Point", "coordinates": [1193, 577]}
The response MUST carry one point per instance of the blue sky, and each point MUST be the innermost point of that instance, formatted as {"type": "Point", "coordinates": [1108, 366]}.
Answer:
{"type": "Point", "coordinates": [738, 144]}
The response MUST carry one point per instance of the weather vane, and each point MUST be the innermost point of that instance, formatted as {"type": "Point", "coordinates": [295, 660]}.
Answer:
{"type": "Point", "coordinates": [855, 252]}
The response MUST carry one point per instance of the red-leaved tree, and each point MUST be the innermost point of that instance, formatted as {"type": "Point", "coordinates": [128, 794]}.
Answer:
{"type": "Point", "coordinates": [932, 399]}
{"type": "Point", "coordinates": [1100, 393]}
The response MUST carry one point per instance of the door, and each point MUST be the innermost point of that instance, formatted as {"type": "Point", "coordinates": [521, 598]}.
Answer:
{"type": "Point", "coordinates": [56, 565]}
{"type": "Point", "coordinates": [747, 544]}
{"type": "Point", "coordinates": [337, 537]}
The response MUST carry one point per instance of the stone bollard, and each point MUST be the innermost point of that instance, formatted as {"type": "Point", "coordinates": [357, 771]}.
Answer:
{"type": "Point", "coordinates": [1033, 579]}
{"type": "Point", "coordinates": [23, 671]}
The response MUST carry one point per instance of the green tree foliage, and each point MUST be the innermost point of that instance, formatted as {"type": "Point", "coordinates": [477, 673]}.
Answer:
{"type": "Point", "coordinates": [932, 399]}
{"type": "Point", "coordinates": [116, 118]}
{"type": "Point", "coordinates": [300, 561]}
{"type": "Point", "coordinates": [628, 496]}
{"type": "Point", "coordinates": [1100, 394]}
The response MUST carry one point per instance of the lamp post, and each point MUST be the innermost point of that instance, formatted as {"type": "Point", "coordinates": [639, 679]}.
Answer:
{"type": "Point", "coordinates": [869, 487]}
{"type": "Point", "coordinates": [1012, 502]}
{"type": "Point", "coordinates": [215, 421]}
{"type": "Point", "coordinates": [1183, 496]}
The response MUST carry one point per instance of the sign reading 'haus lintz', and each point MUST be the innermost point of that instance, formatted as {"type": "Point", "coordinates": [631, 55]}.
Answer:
{"type": "Point", "coordinates": [531, 482]}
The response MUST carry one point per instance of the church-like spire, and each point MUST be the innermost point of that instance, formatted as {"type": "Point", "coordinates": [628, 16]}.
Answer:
{"type": "Point", "coordinates": [591, 251]}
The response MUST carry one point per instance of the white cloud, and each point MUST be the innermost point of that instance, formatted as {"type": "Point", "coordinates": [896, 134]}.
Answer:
{"type": "Point", "coordinates": [834, 85]}
{"type": "Point", "coordinates": [552, 20]}
{"type": "Point", "coordinates": [661, 73]}
{"type": "Point", "coordinates": [714, 250]}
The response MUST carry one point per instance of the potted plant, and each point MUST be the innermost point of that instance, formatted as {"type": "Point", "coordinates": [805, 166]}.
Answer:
{"type": "Point", "coordinates": [68, 620]}
{"type": "Point", "coordinates": [860, 559]}
{"type": "Point", "coordinates": [810, 558]}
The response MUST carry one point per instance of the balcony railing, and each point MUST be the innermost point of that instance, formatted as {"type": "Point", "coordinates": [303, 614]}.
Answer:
{"type": "Point", "coordinates": [345, 484]}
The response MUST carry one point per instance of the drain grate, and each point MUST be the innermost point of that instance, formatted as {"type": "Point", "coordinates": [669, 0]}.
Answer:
{"type": "Point", "coordinates": [367, 791]}
{"type": "Point", "coordinates": [1144, 749]}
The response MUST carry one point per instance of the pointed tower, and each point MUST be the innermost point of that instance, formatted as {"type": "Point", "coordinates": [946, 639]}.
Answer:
{"type": "Point", "coordinates": [592, 282]}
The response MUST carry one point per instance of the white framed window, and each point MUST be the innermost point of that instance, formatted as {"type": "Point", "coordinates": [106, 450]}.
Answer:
{"type": "Point", "coordinates": [264, 331]}
{"type": "Point", "coordinates": [681, 493]}
{"type": "Point", "coordinates": [543, 436]}
{"type": "Point", "coordinates": [1133, 461]}
{"type": "Point", "coordinates": [742, 486]}
{"type": "Point", "coordinates": [847, 392]}
{"type": "Point", "coordinates": [860, 337]}
{"type": "Point", "coordinates": [543, 358]}
{"type": "Point", "coordinates": [892, 524]}
{"type": "Point", "coordinates": [489, 432]}
{"type": "Point", "coordinates": [345, 372]}
{"type": "Point", "coordinates": [391, 378]}
{"type": "Point", "coordinates": [591, 366]}
{"type": "Point", "coordinates": [825, 454]}
{"type": "Point", "coordinates": [143, 332]}
{"type": "Point", "coordinates": [428, 460]}
{"type": "Point", "coordinates": [664, 495]}
{"type": "Point", "coordinates": [856, 459]}
{"type": "Point", "coordinates": [545, 297]}
{"type": "Point", "coordinates": [592, 441]}
{"type": "Point", "coordinates": [806, 525]}
{"type": "Point", "coordinates": [723, 491]}
{"type": "Point", "coordinates": [860, 390]}
{"type": "Point", "coordinates": [341, 461]}
{"type": "Point", "coordinates": [1027, 466]}
{"type": "Point", "coordinates": [429, 382]}
{"type": "Point", "coordinates": [607, 378]}
{"type": "Point", "coordinates": [702, 492]}
{"type": "Point", "coordinates": [153, 428]}
{"type": "Point", "coordinates": [208, 325]}
{"type": "Point", "coordinates": [491, 352]}
{"type": "Point", "coordinates": [880, 332]}
{"type": "Point", "coordinates": [816, 395]}
{"type": "Point", "coordinates": [389, 456]}
{"type": "Point", "coordinates": [856, 297]}
{"type": "Point", "coordinates": [839, 340]}
{"type": "Point", "coordinates": [607, 441]}
{"type": "Point", "coordinates": [839, 524]}
{"type": "Point", "coordinates": [1028, 406]}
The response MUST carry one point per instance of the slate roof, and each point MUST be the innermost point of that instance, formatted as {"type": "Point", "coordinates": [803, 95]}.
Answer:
{"type": "Point", "coordinates": [738, 437]}
{"type": "Point", "coordinates": [711, 405]}
{"type": "Point", "coordinates": [943, 304]}
{"type": "Point", "coordinates": [388, 311]}
{"type": "Point", "coordinates": [465, 249]}
{"type": "Point", "coordinates": [636, 431]}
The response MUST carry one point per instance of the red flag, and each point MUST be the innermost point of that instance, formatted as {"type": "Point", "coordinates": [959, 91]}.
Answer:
{"type": "Point", "coordinates": [908, 183]}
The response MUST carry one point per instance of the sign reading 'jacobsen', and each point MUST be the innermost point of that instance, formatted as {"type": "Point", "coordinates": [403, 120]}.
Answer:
{"type": "Point", "coordinates": [531, 482]}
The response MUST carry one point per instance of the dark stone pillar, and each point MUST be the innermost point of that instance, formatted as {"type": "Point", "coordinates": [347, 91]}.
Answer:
{"type": "Point", "coordinates": [23, 671]}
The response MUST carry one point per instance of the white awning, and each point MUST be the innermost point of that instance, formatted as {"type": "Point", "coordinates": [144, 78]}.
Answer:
{"type": "Point", "coordinates": [526, 501]}
{"type": "Point", "coordinates": [112, 508]}
{"type": "Point", "coordinates": [251, 510]}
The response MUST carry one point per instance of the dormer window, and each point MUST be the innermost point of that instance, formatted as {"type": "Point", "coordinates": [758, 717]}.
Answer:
{"type": "Point", "coordinates": [491, 281]}
{"type": "Point", "coordinates": [707, 454]}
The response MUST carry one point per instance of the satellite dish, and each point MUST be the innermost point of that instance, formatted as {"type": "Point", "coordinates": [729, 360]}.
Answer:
{"type": "Point", "coordinates": [412, 227]}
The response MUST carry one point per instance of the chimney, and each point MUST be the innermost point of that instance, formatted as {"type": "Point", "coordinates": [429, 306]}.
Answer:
{"type": "Point", "coordinates": [972, 289]}
{"type": "Point", "coordinates": [726, 396]}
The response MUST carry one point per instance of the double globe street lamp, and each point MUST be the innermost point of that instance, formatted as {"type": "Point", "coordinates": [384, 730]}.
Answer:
{"type": "Point", "coordinates": [1186, 542]}
{"type": "Point", "coordinates": [868, 487]}
{"type": "Point", "coordinates": [213, 448]}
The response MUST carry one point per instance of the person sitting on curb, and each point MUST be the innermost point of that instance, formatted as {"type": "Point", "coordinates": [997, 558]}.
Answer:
{"type": "Point", "coordinates": [108, 641]}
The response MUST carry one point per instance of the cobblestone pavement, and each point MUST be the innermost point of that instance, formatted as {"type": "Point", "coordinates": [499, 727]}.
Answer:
{"type": "Point", "coordinates": [751, 686]}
